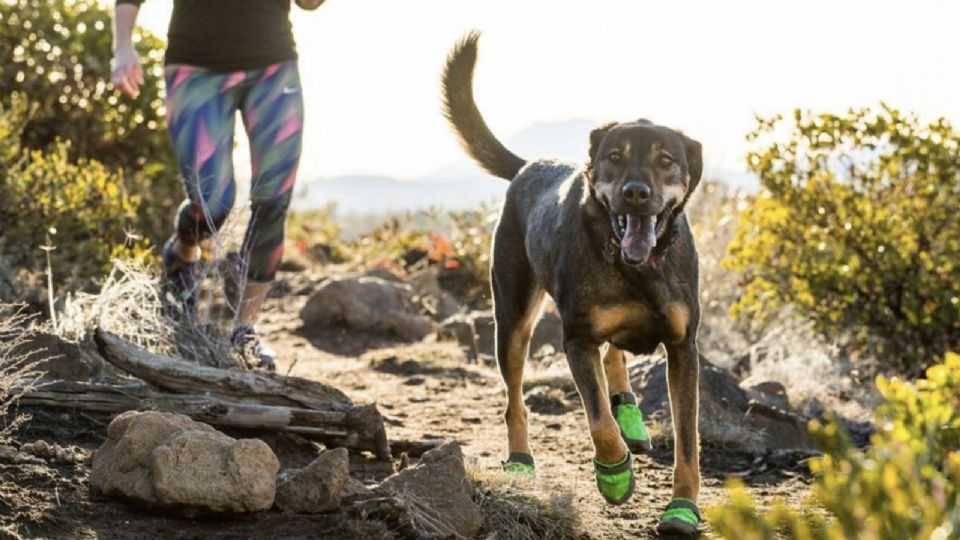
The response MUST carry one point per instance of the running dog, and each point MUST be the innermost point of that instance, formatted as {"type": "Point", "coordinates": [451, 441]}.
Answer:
{"type": "Point", "coordinates": [610, 243]}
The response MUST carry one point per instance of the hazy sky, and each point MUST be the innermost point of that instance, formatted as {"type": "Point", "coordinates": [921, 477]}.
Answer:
{"type": "Point", "coordinates": [371, 68]}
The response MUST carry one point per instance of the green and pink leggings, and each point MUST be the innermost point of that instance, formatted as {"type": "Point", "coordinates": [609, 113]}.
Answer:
{"type": "Point", "coordinates": [201, 117]}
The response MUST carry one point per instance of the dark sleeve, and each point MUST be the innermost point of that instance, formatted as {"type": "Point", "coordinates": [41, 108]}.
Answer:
{"type": "Point", "coordinates": [134, 2]}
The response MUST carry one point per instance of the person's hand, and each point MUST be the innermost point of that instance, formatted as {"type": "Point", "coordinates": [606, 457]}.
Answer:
{"type": "Point", "coordinates": [310, 5]}
{"type": "Point", "coordinates": [126, 74]}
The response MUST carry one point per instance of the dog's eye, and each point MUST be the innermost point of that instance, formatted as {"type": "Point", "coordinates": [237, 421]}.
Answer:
{"type": "Point", "coordinates": [664, 160]}
{"type": "Point", "coordinates": [614, 157]}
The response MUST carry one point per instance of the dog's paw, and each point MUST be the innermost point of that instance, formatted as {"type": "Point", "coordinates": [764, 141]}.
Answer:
{"type": "Point", "coordinates": [681, 519]}
{"type": "Point", "coordinates": [616, 482]}
{"type": "Point", "coordinates": [519, 464]}
{"type": "Point", "coordinates": [630, 420]}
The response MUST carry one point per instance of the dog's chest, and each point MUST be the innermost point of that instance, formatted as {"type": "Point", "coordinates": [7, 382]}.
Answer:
{"type": "Point", "coordinates": [637, 327]}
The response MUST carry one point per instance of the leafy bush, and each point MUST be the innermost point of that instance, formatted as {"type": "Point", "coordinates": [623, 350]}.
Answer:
{"type": "Point", "coordinates": [905, 486]}
{"type": "Point", "coordinates": [855, 224]}
{"type": "Point", "coordinates": [316, 234]}
{"type": "Point", "coordinates": [56, 54]}
{"type": "Point", "coordinates": [81, 209]}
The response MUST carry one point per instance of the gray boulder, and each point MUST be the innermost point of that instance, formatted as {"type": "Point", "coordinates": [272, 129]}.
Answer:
{"type": "Point", "coordinates": [369, 304]}
{"type": "Point", "coordinates": [728, 415]}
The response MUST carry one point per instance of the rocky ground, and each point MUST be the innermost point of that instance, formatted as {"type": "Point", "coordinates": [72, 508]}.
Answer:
{"type": "Point", "coordinates": [428, 389]}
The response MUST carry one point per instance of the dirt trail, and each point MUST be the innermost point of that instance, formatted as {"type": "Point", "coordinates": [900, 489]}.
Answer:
{"type": "Point", "coordinates": [425, 391]}
{"type": "Point", "coordinates": [430, 390]}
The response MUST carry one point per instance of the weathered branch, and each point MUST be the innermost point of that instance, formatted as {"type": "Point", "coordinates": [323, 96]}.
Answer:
{"type": "Point", "coordinates": [275, 401]}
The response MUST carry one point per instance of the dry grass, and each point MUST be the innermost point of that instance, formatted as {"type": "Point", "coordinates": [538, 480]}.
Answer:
{"type": "Point", "coordinates": [19, 371]}
{"type": "Point", "coordinates": [526, 509]}
{"type": "Point", "coordinates": [130, 304]}
{"type": "Point", "coordinates": [817, 375]}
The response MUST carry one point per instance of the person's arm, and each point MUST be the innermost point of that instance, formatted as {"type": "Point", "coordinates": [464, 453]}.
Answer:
{"type": "Point", "coordinates": [126, 74]}
{"type": "Point", "coordinates": [309, 5]}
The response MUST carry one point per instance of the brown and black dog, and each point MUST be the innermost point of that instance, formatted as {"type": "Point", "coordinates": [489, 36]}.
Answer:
{"type": "Point", "coordinates": [610, 243]}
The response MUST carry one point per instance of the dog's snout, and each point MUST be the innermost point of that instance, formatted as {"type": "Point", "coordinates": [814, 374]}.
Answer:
{"type": "Point", "coordinates": [636, 192]}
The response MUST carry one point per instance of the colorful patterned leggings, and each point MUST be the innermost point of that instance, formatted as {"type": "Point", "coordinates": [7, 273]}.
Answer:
{"type": "Point", "coordinates": [201, 117]}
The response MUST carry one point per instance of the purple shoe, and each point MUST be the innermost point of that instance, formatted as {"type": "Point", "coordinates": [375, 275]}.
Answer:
{"type": "Point", "coordinates": [179, 278]}
{"type": "Point", "coordinates": [247, 342]}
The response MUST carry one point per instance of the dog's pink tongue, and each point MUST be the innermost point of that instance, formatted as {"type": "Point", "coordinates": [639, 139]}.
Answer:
{"type": "Point", "coordinates": [639, 238]}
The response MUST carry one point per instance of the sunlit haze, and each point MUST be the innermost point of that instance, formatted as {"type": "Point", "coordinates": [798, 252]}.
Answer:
{"type": "Point", "coordinates": [371, 68]}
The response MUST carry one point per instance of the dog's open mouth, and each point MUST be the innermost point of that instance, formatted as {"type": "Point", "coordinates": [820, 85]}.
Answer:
{"type": "Point", "coordinates": [637, 235]}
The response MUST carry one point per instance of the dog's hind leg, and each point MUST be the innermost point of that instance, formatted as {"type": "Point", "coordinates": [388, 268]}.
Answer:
{"type": "Point", "coordinates": [623, 402]}
{"type": "Point", "coordinates": [615, 368]}
{"type": "Point", "coordinates": [517, 300]}
{"type": "Point", "coordinates": [613, 462]}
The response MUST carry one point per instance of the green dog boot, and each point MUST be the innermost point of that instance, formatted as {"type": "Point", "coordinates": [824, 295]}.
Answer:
{"type": "Point", "coordinates": [630, 420]}
{"type": "Point", "coordinates": [680, 520]}
{"type": "Point", "coordinates": [520, 464]}
{"type": "Point", "coordinates": [616, 482]}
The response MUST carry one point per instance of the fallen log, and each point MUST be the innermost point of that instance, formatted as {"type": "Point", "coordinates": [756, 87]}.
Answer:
{"type": "Point", "coordinates": [251, 389]}
{"type": "Point", "coordinates": [181, 376]}
{"type": "Point", "coordinates": [330, 427]}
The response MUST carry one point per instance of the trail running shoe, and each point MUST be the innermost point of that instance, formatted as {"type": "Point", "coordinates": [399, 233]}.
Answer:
{"type": "Point", "coordinates": [630, 420]}
{"type": "Point", "coordinates": [520, 464]}
{"type": "Point", "coordinates": [615, 482]}
{"type": "Point", "coordinates": [251, 348]}
{"type": "Point", "coordinates": [179, 278]}
{"type": "Point", "coordinates": [680, 520]}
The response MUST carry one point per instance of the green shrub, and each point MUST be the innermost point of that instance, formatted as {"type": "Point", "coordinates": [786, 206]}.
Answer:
{"type": "Point", "coordinates": [56, 54]}
{"type": "Point", "coordinates": [855, 224]}
{"type": "Point", "coordinates": [316, 234]}
{"type": "Point", "coordinates": [905, 486]}
{"type": "Point", "coordinates": [81, 209]}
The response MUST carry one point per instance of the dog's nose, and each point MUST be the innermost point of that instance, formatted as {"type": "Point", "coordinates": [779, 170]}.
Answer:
{"type": "Point", "coordinates": [636, 192]}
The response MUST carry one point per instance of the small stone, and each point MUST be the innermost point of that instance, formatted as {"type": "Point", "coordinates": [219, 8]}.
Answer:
{"type": "Point", "coordinates": [316, 488]}
{"type": "Point", "coordinates": [439, 480]}
{"type": "Point", "coordinates": [7, 452]}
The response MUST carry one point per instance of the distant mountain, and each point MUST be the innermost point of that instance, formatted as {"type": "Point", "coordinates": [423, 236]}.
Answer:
{"type": "Point", "coordinates": [462, 184]}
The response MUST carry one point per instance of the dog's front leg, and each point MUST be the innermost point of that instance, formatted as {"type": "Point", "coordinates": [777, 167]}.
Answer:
{"type": "Point", "coordinates": [613, 462]}
{"type": "Point", "coordinates": [683, 379]}
{"type": "Point", "coordinates": [682, 516]}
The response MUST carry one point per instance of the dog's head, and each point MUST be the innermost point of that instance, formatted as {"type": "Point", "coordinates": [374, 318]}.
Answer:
{"type": "Point", "coordinates": [642, 174]}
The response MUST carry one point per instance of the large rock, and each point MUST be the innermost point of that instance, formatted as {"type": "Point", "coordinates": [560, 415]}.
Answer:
{"type": "Point", "coordinates": [170, 461]}
{"type": "Point", "coordinates": [317, 487]}
{"type": "Point", "coordinates": [727, 412]}
{"type": "Point", "coordinates": [369, 304]}
{"type": "Point", "coordinates": [439, 481]}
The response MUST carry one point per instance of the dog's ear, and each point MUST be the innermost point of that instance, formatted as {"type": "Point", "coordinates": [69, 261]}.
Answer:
{"type": "Point", "coordinates": [694, 153]}
{"type": "Point", "coordinates": [596, 137]}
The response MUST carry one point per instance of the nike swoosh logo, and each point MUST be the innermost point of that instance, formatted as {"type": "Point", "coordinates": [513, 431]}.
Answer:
{"type": "Point", "coordinates": [290, 89]}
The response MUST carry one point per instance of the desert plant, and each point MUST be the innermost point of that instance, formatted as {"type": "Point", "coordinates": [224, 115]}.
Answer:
{"type": "Point", "coordinates": [56, 55]}
{"type": "Point", "coordinates": [905, 486]}
{"type": "Point", "coordinates": [316, 234]}
{"type": "Point", "coordinates": [81, 210]}
{"type": "Point", "coordinates": [855, 225]}
{"type": "Point", "coordinates": [18, 369]}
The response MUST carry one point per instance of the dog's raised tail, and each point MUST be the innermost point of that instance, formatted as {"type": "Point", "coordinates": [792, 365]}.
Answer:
{"type": "Point", "coordinates": [461, 110]}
